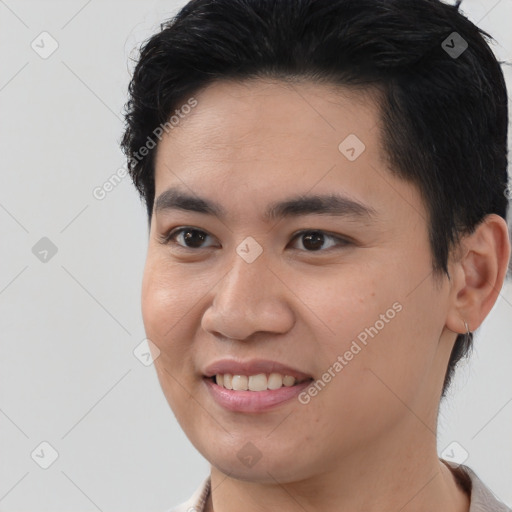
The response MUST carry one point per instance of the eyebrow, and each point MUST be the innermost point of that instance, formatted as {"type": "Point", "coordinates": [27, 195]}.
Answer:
{"type": "Point", "coordinates": [330, 204]}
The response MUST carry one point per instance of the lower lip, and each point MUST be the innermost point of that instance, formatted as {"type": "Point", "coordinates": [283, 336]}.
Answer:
{"type": "Point", "coordinates": [253, 401]}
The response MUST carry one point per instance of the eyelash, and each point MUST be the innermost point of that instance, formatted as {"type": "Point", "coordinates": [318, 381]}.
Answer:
{"type": "Point", "coordinates": [169, 237]}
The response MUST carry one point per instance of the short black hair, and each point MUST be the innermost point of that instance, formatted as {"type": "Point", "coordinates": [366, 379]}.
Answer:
{"type": "Point", "coordinates": [443, 107]}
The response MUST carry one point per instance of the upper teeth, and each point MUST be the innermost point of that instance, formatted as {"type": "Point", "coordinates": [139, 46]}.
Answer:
{"type": "Point", "coordinates": [258, 382]}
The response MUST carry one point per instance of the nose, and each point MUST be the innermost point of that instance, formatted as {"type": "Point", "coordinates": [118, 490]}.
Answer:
{"type": "Point", "coordinates": [250, 298]}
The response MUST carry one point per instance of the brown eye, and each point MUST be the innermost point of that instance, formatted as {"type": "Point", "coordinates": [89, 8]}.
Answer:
{"type": "Point", "coordinates": [314, 240]}
{"type": "Point", "coordinates": [187, 237]}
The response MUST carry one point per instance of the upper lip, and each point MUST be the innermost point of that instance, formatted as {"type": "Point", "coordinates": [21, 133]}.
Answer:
{"type": "Point", "coordinates": [252, 367]}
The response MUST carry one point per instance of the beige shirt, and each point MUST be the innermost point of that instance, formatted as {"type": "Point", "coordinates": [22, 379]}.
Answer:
{"type": "Point", "coordinates": [481, 498]}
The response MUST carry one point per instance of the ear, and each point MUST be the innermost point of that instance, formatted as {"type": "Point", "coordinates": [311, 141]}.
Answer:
{"type": "Point", "coordinates": [478, 273]}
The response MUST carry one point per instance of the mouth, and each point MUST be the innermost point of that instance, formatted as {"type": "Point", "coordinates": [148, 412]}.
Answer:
{"type": "Point", "coordinates": [253, 386]}
{"type": "Point", "coordinates": [256, 383]}
{"type": "Point", "coordinates": [261, 398]}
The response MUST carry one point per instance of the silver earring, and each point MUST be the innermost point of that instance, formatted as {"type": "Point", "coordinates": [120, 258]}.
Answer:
{"type": "Point", "coordinates": [466, 326]}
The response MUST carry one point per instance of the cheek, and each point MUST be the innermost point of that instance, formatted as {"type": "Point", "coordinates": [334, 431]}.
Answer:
{"type": "Point", "coordinates": [168, 297]}
{"type": "Point", "coordinates": [397, 358]}
{"type": "Point", "coordinates": [379, 329]}
{"type": "Point", "coordinates": [167, 305]}
{"type": "Point", "coordinates": [338, 305]}
{"type": "Point", "coordinates": [170, 323]}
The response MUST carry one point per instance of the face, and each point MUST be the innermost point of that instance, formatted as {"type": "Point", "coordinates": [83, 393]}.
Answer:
{"type": "Point", "coordinates": [337, 289]}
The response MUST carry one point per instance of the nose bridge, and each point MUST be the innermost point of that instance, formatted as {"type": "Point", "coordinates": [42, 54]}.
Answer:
{"type": "Point", "coordinates": [248, 300]}
{"type": "Point", "coordinates": [245, 286]}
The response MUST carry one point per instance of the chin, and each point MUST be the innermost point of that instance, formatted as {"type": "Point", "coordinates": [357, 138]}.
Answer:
{"type": "Point", "coordinates": [281, 466]}
{"type": "Point", "coordinates": [262, 473]}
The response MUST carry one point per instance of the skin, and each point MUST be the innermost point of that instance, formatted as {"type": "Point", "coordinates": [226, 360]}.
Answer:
{"type": "Point", "coordinates": [367, 441]}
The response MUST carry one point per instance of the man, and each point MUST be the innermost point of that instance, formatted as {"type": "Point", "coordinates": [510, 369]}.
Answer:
{"type": "Point", "coordinates": [325, 185]}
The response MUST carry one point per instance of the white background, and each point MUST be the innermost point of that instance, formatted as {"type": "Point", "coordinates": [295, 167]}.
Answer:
{"type": "Point", "coordinates": [69, 326]}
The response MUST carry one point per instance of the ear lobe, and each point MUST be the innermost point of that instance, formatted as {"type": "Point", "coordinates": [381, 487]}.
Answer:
{"type": "Point", "coordinates": [479, 274]}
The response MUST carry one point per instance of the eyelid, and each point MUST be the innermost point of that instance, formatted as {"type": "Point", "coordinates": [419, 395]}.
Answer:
{"type": "Point", "coordinates": [166, 237]}
{"type": "Point", "coordinates": [342, 240]}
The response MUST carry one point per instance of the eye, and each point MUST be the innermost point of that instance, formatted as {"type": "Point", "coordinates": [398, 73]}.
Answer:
{"type": "Point", "coordinates": [186, 237]}
{"type": "Point", "coordinates": [312, 240]}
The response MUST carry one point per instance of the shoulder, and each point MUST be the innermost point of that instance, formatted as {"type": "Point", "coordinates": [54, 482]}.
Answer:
{"type": "Point", "coordinates": [197, 501]}
{"type": "Point", "coordinates": [481, 497]}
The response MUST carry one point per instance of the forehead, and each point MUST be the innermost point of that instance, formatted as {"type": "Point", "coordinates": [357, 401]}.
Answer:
{"type": "Point", "coordinates": [235, 119]}
{"type": "Point", "coordinates": [258, 139]}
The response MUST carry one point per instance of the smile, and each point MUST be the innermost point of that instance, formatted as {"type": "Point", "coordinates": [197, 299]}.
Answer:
{"type": "Point", "coordinates": [259, 382]}
{"type": "Point", "coordinates": [247, 401]}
